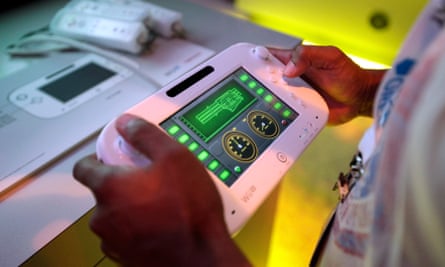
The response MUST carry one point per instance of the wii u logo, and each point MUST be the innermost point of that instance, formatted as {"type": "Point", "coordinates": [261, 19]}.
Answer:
{"type": "Point", "coordinates": [249, 194]}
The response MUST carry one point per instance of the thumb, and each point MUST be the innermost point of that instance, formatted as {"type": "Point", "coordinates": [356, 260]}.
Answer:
{"type": "Point", "coordinates": [145, 137]}
{"type": "Point", "coordinates": [290, 57]}
{"type": "Point", "coordinates": [282, 54]}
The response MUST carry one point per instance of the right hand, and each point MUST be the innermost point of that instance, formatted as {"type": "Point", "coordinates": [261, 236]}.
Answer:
{"type": "Point", "coordinates": [348, 89]}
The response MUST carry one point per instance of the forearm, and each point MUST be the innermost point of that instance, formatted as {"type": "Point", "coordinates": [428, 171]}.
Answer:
{"type": "Point", "coordinates": [220, 249]}
{"type": "Point", "coordinates": [372, 83]}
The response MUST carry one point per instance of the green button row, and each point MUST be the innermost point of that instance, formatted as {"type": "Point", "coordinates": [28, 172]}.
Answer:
{"type": "Point", "coordinates": [286, 113]}
{"type": "Point", "coordinates": [224, 175]}
{"type": "Point", "coordinates": [252, 84]}
{"type": "Point", "coordinates": [244, 77]}
{"type": "Point", "coordinates": [268, 97]}
{"type": "Point", "coordinates": [202, 155]}
{"type": "Point", "coordinates": [261, 91]}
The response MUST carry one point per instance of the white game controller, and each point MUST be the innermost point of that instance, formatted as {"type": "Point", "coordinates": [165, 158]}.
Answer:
{"type": "Point", "coordinates": [240, 118]}
{"type": "Point", "coordinates": [112, 149]}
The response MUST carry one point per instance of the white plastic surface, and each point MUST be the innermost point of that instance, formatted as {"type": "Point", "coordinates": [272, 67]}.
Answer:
{"type": "Point", "coordinates": [242, 198]}
{"type": "Point", "coordinates": [112, 149]}
{"type": "Point", "coordinates": [163, 21]}
{"type": "Point", "coordinates": [128, 36]}
{"type": "Point", "coordinates": [118, 11]}
{"type": "Point", "coordinates": [261, 52]}
{"type": "Point", "coordinates": [39, 211]}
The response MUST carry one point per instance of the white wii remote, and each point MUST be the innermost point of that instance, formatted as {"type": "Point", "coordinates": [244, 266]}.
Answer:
{"type": "Point", "coordinates": [117, 34]}
{"type": "Point", "coordinates": [116, 10]}
{"type": "Point", "coordinates": [163, 21]}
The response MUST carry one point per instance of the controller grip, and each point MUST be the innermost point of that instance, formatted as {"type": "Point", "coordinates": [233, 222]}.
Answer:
{"type": "Point", "coordinates": [112, 149]}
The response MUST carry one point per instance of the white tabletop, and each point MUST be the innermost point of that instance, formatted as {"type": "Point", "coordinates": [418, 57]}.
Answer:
{"type": "Point", "coordinates": [48, 203]}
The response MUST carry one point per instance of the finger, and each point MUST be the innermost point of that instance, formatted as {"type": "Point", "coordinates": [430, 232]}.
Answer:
{"type": "Point", "coordinates": [91, 172]}
{"type": "Point", "coordinates": [145, 137]}
{"type": "Point", "coordinates": [282, 54]}
{"type": "Point", "coordinates": [294, 66]}
{"type": "Point", "coordinates": [84, 168]}
{"type": "Point", "coordinates": [307, 57]}
{"type": "Point", "coordinates": [323, 57]}
{"type": "Point", "coordinates": [110, 253]}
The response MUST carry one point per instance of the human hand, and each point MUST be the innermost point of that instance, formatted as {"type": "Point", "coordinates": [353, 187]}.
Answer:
{"type": "Point", "coordinates": [348, 89]}
{"type": "Point", "coordinates": [168, 214]}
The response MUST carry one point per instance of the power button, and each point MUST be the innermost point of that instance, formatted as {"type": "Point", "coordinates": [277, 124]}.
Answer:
{"type": "Point", "coordinates": [281, 157]}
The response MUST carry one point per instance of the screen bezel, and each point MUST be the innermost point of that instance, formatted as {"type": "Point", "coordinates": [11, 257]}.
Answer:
{"type": "Point", "coordinates": [251, 85]}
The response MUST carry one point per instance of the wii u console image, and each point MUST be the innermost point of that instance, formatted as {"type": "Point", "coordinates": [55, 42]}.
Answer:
{"type": "Point", "coordinates": [82, 80]}
{"type": "Point", "coordinates": [242, 120]}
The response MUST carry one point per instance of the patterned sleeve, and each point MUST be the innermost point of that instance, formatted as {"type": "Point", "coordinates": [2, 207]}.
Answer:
{"type": "Point", "coordinates": [419, 211]}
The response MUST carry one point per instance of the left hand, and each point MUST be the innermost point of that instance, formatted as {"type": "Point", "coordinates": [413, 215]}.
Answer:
{"type": "Point", "coordinates": [168, 214]}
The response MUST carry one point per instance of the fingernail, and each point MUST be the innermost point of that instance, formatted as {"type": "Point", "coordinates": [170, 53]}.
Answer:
{"type": "Point", "coordinates": [289, 69]}
{"type": "Point", "coordinates": [126, 121]}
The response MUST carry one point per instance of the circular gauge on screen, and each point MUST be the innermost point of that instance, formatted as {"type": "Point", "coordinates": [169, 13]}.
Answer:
{"type": "Point", "coordinates": [240, 146]}
{"type": "Point", "coordinates": [263, 124]}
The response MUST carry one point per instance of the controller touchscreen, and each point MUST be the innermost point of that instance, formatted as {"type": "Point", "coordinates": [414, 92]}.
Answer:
{"type": "Point", "coordinates": [230, 125]}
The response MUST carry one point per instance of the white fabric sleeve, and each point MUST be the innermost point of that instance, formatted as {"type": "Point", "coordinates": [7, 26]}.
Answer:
{"type": "Point", "coordinates": [420, 204]}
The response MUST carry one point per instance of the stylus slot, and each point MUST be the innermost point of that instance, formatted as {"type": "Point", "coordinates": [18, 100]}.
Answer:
{"type": "Point", "coordinates": [181, 87]}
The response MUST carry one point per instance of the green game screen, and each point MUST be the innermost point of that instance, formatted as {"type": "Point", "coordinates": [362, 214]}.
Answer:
{"type": "Point", "coordinates": [210, 116]}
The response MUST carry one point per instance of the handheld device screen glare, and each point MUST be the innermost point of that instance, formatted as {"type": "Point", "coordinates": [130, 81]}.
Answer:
{"type": "Point", "coordinates": [230, 125]}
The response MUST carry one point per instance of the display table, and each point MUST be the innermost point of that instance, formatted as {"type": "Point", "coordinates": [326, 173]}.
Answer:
{"type": "Point", "coordinates": [44, 220]}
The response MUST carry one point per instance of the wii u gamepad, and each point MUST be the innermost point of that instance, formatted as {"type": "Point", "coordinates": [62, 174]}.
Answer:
{"type": "Point", "coordinates": [240, 118]}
